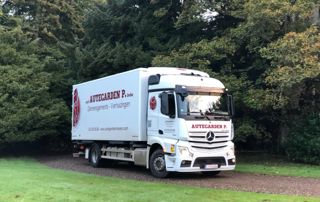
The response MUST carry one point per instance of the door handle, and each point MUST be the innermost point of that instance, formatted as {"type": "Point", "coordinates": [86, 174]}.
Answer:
{"type": "Point", "coordinates": [160, 132]}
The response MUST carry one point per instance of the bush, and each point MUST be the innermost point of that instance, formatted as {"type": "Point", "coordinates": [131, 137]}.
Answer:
{"type": "Point", "coordinates": [303, 142]}
{"type": "Point", "coordinates": [250, 135]}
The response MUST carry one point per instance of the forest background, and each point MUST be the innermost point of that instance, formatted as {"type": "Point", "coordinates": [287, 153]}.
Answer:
{"type": "Point", "coordinates": [266, 52]}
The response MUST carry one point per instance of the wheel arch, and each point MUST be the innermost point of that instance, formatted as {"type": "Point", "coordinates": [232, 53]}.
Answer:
{"type": "Point", "coordinates": [157, 160]}
{"type": "Point", "coordinates": [150, 150]}
{"type": "Point", "coordinates": [154, 147]}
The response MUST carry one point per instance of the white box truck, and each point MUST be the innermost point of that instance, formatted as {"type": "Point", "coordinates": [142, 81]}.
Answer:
{"type": "Point", "coordinates": [166, 119]}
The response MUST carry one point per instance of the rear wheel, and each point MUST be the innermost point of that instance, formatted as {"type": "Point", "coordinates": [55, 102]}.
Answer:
{"type": "Point", "coordinates": [157, 164]}
{"type": "Point", "coordinates": [95, 155]}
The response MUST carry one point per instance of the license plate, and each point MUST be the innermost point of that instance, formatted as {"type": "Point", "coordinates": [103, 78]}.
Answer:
{"type": "Point", "coordinates": [211, 166]}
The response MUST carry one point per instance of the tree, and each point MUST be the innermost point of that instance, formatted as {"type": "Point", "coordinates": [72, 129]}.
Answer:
{"type": "Point", "coordinates": [294, 79]}
{"type": "Point", "coordinates": [28, 111]}
{"type": "Point", "coordinates": [128, 34]}
{"type": "Point", "coordinates": [120, 35]}
{"type": "Point", "coordinates": [235, 56]}
{"type": "Point", "coordinates": [294, 60]}
{"type": "Point", "coordinates": [46, 33]}
{"type": "Point", "coordinates": [50, 21]}
{"type": "Point", "coordinates": [57, 25]}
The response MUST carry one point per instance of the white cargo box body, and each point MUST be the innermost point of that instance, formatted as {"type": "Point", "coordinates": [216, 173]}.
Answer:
{"type": "Point", "coordinates": [111, 108]}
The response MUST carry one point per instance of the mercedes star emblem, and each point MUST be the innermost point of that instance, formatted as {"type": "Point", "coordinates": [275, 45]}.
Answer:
{"type": "Point", "coordinates": [210, 136]}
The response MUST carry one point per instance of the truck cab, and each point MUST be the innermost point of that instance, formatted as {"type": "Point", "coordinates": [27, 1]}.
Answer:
{"type": "Point", "coordinates": [189, 123]}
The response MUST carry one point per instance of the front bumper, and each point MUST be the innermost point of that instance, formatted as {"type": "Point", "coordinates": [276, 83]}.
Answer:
{"type": "Point", "coordinates": [195, 160]}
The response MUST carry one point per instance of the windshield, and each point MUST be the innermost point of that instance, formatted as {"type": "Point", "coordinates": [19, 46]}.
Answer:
{"type": "Point", "coordinates": [203, 104]}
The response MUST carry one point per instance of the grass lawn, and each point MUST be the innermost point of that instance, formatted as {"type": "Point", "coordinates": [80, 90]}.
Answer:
{"type": "Point", "coordinates": [26, 180]}
{"type": "Point", "coordinates": [272, 165]}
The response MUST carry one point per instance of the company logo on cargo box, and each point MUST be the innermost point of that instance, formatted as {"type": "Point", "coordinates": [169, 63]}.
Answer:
{"type": "Point", "coordinates": [76, 108]}
{"type": "Point", "coordinates": [111, 95]}
{"type": "Point", "coordinates": [109, 100]}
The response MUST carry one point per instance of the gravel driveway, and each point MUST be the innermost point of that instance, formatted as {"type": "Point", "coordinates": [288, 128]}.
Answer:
{"type": "Point", "coordinates": [225, 180]}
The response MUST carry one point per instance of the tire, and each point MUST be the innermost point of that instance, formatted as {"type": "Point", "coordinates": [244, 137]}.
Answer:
{"type": "Point", "coordinates": [211, 173]}
{"type": "Point", "coordinates": [157, 164]}
{"type": "Point", "coordinates": [95, 156]}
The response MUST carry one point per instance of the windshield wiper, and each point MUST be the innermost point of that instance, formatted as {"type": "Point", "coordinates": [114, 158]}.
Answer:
{"type": "Point", "coordinates": [204, 115]}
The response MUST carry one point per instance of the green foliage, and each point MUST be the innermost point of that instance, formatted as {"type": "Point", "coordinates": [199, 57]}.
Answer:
{"type": "Point", "coordinates": [51, 21]}
{"type": "Point", "coordinates": [28, 111]}
{"type": "Point", "coordinates": [266, 52]}
{"type": "Point", "coordinates": [150, 31]}
{"type": "Point", "coordinates": [267, 20]}
{"type": "Point", "coordinates": [125, 35]}
{"type": "Point", "coordinates": [303, 142]}
{"type": "Point", "coordinates": [261, 99]}
{"type": "Point", "coordinates": [251, 135]}
{"type": "Point", "coordinates": [38, 40]}
{"type": "Point", "coordinates": [238, 56]}
{"type": "Point", "coordinates": [203, 54]}
{"type": "Point", "coordinates": [295, 58]}
{"type": "Point", "coordinates": [57, 26]}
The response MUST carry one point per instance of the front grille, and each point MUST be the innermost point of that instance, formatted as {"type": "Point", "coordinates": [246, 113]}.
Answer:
{"type": "Point", "coordinates": [208, 142]}
{"type": "Point", "coordinates": [209, 147]}
{"type": "Point", "coordinates": [202, 161]}
{"type": "Point", "coordinates": [198, 140]}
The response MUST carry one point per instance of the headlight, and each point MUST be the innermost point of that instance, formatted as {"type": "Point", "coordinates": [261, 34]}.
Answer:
{"type": "Point", "coordinates": [184, 151]}
{"type": "Point", "coordinates": [230, 151]}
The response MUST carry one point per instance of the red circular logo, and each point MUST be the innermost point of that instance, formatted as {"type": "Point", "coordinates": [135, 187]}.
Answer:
{"type": "Point", "coordinates": [76, 108]}
{"type": "Point", "coordinates": [153, 102]}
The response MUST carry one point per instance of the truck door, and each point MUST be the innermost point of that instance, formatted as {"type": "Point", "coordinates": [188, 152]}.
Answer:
{"type": "Point", "coordinates": [167, 115]}
{"type": "Point", "coordinates": [162, 114]}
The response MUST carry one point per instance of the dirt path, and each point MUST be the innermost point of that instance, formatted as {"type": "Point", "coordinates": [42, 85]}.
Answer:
{"type": "Point", "coordinates": [225, 180]}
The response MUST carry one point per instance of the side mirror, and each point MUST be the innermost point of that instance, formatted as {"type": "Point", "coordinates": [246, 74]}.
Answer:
{"type": "Point", "coordinates": [230, 105]}
{"type": "Point", "coordinates": [182, 91]}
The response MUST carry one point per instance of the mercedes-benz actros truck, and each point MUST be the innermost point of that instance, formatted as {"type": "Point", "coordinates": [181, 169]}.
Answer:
{"type": "Point", "coordinates": [166, 119]}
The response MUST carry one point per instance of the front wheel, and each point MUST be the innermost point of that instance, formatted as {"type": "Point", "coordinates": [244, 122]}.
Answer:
{"type": "Point", "coordinates": [157, 164]}
{"type": "Point", "coordinates": [95, 155]}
